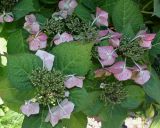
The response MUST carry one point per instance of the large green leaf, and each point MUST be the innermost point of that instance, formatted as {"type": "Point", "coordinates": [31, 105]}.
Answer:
{"type": "Point", "coordinates": [157, 8]}
{"type": "Point", "coordinates": [16, 43]}
{"type": "Point", "coordinates": [77, 120]}
{"type": "Point", "coordinates": [12, 97]}
{"type": "Point", "coordinates": [24, 7]}
{"type": "Point", "coordinates": [109, 6]}
{"type": "Point", "coordinates": [156, 122]}
{"type": "Point", "coordinates": [135, 96]}
{"type": "Point", "coordinates": [152, 88]}
{"type": "Point", "coordinates": [126, 12]}
{"type": "Point", "coordinates": [83, 13]}
{"type": "Point", "coordinates": [37, 121]}
{"type": "Point", "coordinates": [113, 117]}
{"type": "Point", "coordinates": [78, 97]}
{"type": "Point", "coordinates": [73, 58]}
{"type": "Point", "coordinates": [19, 69]}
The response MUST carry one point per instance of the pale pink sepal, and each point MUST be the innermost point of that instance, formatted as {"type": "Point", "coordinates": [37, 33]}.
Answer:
{"type": "Point", "coordinates": [30, 108]}
{"type": "Point", "coordinates": [74, 81]}
{"type": "Point", "coordinates": [47, 58]}
{"type": "Point", "coordinates": [62, 111]}
{"type": "Point", "coordinates": [101, 17]}
{"type": "Point", "coordinates": [62, 38]}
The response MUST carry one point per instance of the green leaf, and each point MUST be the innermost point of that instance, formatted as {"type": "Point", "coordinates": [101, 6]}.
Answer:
{"type": "Point", "coordinates": [157, 8]}
{"type": "Point", "coordinates": [78, 97]}
{"type": "Point", "coordinates": [113, 117]}
{"type": "Point", "coordinates": [83, 13]}
{"type": "Point", "coordinates": [20, 67]}
{"type": "Point", "coordinates": [126, 12]}
{"type": "Point", "coordinates": [49, 1]}
{"type": "Point", "coordinates": [77, 120]}
{"type": "Point", "coordinates": [16, 43]}
{"type": "Point", "coordinates": [94, 104]}
{"type": "Point", "coordinates": [37, 121]}
{"type": "Point", "coordinates": [152, 87]}
{"type": "Point", "coordinates": [22, 8]}
{"type": "Point", "coordinates": [156, 122]}
{"type": "Point", "coordinates": [12, 97]}
{"type": "Point", "coordinates": [73, 58]}
{"type": "Point", "coordinates": [109, 6]}
{"type": "Point", "coordinates": [135, 96]}
{"type": "Point", "coordinates": [155, 46]}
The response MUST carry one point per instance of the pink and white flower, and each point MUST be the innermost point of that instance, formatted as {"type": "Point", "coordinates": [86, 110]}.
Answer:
{"type": "Point", "coordinates": [73, 81]}
{"type": "Point", "coordinates": [107, 55]}
{"type": "Point", "coordinates": [114, 37]}
{"type": "Point", "coordinates": [6, 17]}
{"type": "Point", "coordinates": [120, 71]}
{"type": "Point", "coordinates": [62, 38]}
{"type": "Point", "coordinates": [101, 17]}
{"type": "Point", "coordinates": [31, 25]}
{"type": "Point", "coordinates": [62, 111]}
{"type": "Point", "coordinates": [47, 59]}
{"type": "Point", "coordinates": [140, 75]}
{"type": "Point", "coordinates": [68, 5]}
{"type": "Point", "coordinates": [30, 108]}
{"type": "Point", "coordinates": [145, 39]}
{"type": "Point", "coordinates": [38, 41]}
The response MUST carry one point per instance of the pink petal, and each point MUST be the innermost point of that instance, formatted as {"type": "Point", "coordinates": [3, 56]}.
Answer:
{"type": "Point", "coordinates": [103, 33]}
{"type": "Point", "coordinates": [47, 59]}
{"type": "Point", "coordinates": [102, 17]}
{"type": "Point", "coordinates": [108, 61]}
{"type": "Point", "coordinates": [63, 110]}
{"type": "Point", "coordinates": [101, 73]}
{"type": "Point", "coordinates": [42, 36]}
{"type": "Point", "coordinates": [117, 67]}
{"type": "Point", "coordinates": [126, 74]}
{"type": "Point", "coordinates": [115, 42]}
{"type": "Point", "coordinates": [34, 45]}
{"type": "Point", "coordinates": [8, 18]}
{"type": "Point", "coordinates": [73, 81]}
{"type": "Point", "coordinates": [30, 18]}
{"type": "Point", "coordinates": [104, 51]}
{"type": "Point", "coordinates": [64, 37]}
{"type": "Point", "coordinates": [30, 108]}
{"type": "Point", "coordinates": [142, 77]}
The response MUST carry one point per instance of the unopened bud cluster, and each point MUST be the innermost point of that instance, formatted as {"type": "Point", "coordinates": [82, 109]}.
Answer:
{"type": "Point", "coordinates": [49, 86]}
{"type": "Point", "coordinates": [131, 50]}
{"type": "Point", "coordinates": [113, 93]}
{"type": "Point", "coordinates": [73, 25]}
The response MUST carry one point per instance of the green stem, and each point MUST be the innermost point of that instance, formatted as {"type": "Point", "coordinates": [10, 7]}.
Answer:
{"type": "Point", "coordinates": [146, 12]}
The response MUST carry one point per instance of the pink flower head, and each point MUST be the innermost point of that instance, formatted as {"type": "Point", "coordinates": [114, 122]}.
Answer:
{"type": "Point", "coordinates": [68, 5]}
{"type": "Point", "coordinates": [74, 81]}
{"type": "Point", "coordinates": [120, 71]}
{"type": "Point", "coordinates": [64, 37]}
{"type": "Point", "coordinates": [115, 38]}
{"type": "Point", "coordinates": [6, 17]}
{"type": "Point", "coordinates": [140, 75]}
{"type": "Point", "coordinates": [38, 41]}
{"type": "Point", "coordinates": [107, 55]}
{"type": "Point", "coordinates": [62, 111]}
{"type": "Point", "coordinates": [102, 72]}
{"type": "Point", "coordinates": [101, 17]}
{"type": "Point", "coordinates": [31, 25]}
{"type": "Point", "coordinates": [30, 108]}
{"type": "Point", "coordinates": [145, 39]}
{"type": "Point", "coordinates": [47, 59]}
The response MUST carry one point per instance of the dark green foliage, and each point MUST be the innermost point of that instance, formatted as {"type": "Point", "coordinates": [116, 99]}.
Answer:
{"type": "Point", "coordinates": [49, 85]}
{"type": "Point", "coordinates": [7, 5]}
